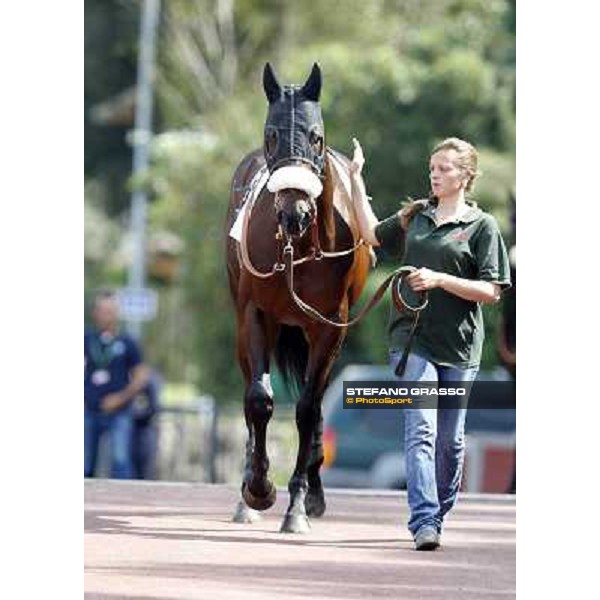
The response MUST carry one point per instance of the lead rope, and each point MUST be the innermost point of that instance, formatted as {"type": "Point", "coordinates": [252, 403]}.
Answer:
{"type": "Point", "coordinates": [399, 371]}
{"type": "Point", "coordinates": [395, 278]}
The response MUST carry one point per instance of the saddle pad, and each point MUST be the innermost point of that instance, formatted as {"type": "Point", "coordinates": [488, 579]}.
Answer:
{"type": "Point", "coordinates": [342, 194]}
{"type": "Point", "coordinates": [257, 183]}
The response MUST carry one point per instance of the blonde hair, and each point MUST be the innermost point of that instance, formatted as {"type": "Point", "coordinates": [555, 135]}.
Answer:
{"type": "Point", "coordinates": [466, 160]}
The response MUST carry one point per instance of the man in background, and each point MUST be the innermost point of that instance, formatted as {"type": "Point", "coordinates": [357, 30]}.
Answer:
{"type": "Point", "coordinates": [114, 374]}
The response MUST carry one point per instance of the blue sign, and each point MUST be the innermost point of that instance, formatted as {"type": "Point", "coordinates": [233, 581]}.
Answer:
{"type": "Point", "coordinates": [137, 304]}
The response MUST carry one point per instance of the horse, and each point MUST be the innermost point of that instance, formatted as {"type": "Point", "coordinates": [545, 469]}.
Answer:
{"type": "Point", "coordinates": [291, 198]}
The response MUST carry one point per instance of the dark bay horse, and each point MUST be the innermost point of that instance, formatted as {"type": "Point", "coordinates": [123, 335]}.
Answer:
{"type": "Point", "coordinates": [306, 207]}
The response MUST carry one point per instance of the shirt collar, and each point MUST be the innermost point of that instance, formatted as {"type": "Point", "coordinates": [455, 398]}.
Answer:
{"type": "Point", "coordinates": [468, 217]}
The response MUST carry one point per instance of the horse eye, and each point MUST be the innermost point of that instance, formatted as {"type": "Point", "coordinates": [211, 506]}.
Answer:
{"type": "Point", "coordinates": [271, 141]}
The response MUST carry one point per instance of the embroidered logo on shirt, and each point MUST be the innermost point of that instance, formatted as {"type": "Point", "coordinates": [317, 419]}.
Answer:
{"type": "Point", "coordinates": [460, 236]}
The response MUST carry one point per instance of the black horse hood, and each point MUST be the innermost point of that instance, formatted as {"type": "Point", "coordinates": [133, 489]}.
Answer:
{"type": "Point", "coordinates": [294, 130]}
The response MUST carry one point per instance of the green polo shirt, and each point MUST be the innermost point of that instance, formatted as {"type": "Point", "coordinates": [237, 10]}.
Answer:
{"type": "Point", "coordinates": [451, 329]}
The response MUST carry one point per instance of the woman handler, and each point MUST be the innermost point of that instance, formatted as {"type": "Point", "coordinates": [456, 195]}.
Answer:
{"type": "Point", "coordinates": [462, 261]}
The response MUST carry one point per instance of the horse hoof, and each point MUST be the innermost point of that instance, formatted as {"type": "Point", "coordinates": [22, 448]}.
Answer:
{"type": "Point", "coordinates": [293, 523]}
{"type": "Point", "coordinates": [245, 514]}
{"type": "Point", "coordinates": [259, 502]}
{"type": "Point", "coordinates": [315, 502]}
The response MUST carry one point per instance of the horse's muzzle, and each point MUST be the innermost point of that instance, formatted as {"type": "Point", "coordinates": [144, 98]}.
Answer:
{"type": "Point", "coordinates": [295, 222]}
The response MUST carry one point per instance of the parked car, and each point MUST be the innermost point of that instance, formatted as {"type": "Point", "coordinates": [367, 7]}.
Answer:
{"type": "Point", "coordinates": [364, 447]}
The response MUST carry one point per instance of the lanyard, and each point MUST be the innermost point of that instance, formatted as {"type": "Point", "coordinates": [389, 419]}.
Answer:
{"type": "Point", "coordinates": [102, 354]}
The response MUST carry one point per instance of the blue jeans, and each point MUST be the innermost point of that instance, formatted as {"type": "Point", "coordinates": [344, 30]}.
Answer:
{"type": "Point", "coordinates": [434, 445]}
{"type": "Point", "coordinates": [119, 426]}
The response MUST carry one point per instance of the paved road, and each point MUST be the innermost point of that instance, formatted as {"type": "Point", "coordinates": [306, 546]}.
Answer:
{"type": "Point", "coordinates": [177, 542]}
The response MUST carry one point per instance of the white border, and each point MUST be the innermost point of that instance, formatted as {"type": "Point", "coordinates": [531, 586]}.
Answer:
{"type": "Point", "coordinates": [41, 49]}
{"type": "Point", "coordinates": [557, 332]}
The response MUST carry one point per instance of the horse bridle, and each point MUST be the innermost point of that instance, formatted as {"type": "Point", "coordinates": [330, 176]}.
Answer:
{"type": "Point", "coordinates": [316, 253]}
{"type": "Point", "coordinates": [283, 162]}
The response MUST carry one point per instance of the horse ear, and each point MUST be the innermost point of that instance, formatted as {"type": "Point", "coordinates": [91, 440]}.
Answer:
{"type": "Point", "coordinates": [270, 84]}
{"type": "Point", "coordinates": [312, 88]}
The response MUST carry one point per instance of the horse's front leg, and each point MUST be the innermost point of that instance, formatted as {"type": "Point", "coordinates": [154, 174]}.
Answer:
{"type": "Point", "coordinates": [257, 490]}
{"type": "Point", "coordinates": [325, 343]}
{"type": "Point", "coordinates": [315, 497]}
{"type": "Point", "coordinates": [243, 513]}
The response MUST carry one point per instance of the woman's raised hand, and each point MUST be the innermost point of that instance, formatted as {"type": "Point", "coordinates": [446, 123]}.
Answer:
{"type": "Point", "coordinates": [358, 160]}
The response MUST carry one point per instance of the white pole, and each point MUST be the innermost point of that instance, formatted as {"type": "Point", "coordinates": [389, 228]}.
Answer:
{"type": "Point", "coordinates": [141, 138]}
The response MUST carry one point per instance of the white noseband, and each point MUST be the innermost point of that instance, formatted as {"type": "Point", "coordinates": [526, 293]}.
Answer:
{"type": "Point", "coordinates": [298, 178]}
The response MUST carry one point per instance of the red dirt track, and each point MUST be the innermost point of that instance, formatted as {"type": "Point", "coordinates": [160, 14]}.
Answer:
{"type": "Point", "coordinates": [151, 540]}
